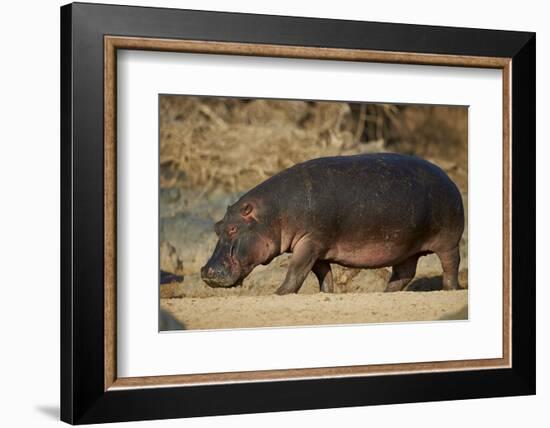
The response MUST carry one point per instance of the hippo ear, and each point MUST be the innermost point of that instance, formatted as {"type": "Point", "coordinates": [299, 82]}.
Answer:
{"type": "Point", "coordinates": [246, 209]}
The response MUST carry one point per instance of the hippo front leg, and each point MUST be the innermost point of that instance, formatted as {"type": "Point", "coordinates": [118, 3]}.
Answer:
{"type": "Point", "coordinates": [302, 261]}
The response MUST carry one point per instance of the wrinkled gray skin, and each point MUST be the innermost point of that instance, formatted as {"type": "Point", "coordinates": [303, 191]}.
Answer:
{"type": "Point", "coordinates": [364, 211]}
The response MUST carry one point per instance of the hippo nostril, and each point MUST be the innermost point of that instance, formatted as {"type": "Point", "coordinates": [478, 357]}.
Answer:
{"type": "Point", "coordinates": [207, 272]}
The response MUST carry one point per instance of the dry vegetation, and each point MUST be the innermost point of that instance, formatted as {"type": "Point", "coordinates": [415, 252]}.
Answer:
{"type": "Point", "coordinates": [214, 149]}
{"type": "Point", "coordinates": [229, 145]}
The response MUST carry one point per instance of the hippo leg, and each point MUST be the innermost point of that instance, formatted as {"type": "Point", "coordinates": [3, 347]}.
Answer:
{"type": "Point", "coordinates": [402, 274]}
{"type": "Point", "coordinates": [449, 262]}
{"type": "Point", "coordinates": [322, 271]}
{"type": "Point", "coordinates": [302, 261]}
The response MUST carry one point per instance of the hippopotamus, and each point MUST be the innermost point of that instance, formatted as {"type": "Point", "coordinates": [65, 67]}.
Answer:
{"type": "Point", "coordinates": [362, 211]}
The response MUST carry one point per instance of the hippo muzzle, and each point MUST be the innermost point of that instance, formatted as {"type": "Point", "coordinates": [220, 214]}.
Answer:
{"type": "Point", "coordinates": [221, 270]}
{"type": "Point", "coordinates": [216, 277]}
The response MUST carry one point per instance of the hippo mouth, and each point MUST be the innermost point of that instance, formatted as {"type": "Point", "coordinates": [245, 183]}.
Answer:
{"type": "Point", "coordinates": [225, 277]}
{"type": "Point", "coordinates": [221, 283]}
{"type": "Point", "coordinates": [231, 279]}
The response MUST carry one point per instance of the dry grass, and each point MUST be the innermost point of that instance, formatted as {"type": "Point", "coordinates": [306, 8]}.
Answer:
{"type": "Point", "coordinates": [227, 145]}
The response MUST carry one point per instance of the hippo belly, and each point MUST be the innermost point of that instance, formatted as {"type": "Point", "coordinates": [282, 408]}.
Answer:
{"type": "Point", "coordinates": [371, 255]}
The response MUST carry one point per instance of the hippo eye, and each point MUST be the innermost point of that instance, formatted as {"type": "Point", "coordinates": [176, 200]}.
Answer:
{"type": "Point", "coordinates": [232, 230]}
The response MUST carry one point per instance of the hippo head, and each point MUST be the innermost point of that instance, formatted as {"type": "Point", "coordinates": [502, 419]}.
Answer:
{"type": "Point", "coordinates": [244, 242]}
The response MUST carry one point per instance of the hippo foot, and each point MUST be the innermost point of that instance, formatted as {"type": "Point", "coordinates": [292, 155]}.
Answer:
{"type": "Point", "coordinates": [394, 287]}
{"type": "Point", "coordinates": [281, 291]}
{"type": "Point", "coordinates": [450, 285]}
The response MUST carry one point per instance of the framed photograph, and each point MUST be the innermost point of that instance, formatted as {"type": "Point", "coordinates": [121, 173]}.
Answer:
{"type": "Point", "coordinates": [265, 213]}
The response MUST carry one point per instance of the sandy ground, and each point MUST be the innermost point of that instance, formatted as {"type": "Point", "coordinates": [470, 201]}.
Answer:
{"type": "Point", "coordinates": [317, 309]}
{"type": "Point", "coordinates": [358, 298]}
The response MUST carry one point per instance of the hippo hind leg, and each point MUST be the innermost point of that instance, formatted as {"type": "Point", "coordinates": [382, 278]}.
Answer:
{"type": "Point", "coordinates": [402, 274]}
{"type": "Point", "coordinates": [450, 260]}
{"type": "Point", "coordinates": [323, 272]}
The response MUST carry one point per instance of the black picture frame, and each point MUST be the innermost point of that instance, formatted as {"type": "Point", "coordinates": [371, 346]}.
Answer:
{"type": "Point", "coordinates": [83, 398]}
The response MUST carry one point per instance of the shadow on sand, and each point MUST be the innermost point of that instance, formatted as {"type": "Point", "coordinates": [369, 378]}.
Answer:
{"type": "Point", "coordinates": [433, 283]}
{"type": "Point", "coordinates": [167, 322]}
{"type": "Point", "coordinates": [461, 314]}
